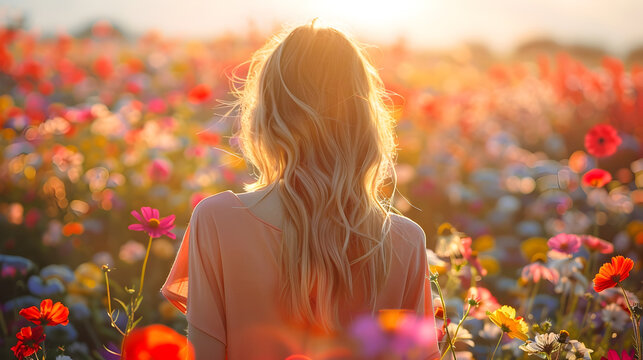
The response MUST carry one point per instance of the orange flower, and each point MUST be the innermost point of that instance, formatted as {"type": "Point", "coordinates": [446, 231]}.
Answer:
{"type": "Point", "coordinates": [73, 228]}
{"type": "Point", "coordinates": [596, 178]}
{"type": "Point", "coordinates": [49, 313]}
{"type": "Point", "coordinates": [439, 312]}
{"type": "Point", "coordinates": [611, 274]}
{"type": "Point", "coordinates": [157, 342]}
{"type": "Point", "coordinates": [509, 323]}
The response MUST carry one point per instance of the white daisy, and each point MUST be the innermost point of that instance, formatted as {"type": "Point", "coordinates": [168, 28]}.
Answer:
{"type": "Point", "coordinates": [544, 344]}
{"type": "Point", "coordinates": [577, 350]}
{"type": "Point", "coordinates": [614, 316]}
{"type": "Point", "coordinates": [490, 331]}
{"type": "Point", "coordinates": [463, 336]}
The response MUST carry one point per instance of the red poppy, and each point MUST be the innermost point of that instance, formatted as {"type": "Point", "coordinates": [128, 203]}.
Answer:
{"type": "Point", "coordinates": [611, 274]}
{"type": "Point", "coordinates": [49, 313]}
{"type": "Point", "coordinates": [602, 140]}
{"type": "Point", "coordinates": [157, 342]}
{"type": "Point", "coordinates": [597, 178]}
{"type": "Point", "coordinates": [199, 94]}
{"type": "Point", "coordinates": [29, 340]}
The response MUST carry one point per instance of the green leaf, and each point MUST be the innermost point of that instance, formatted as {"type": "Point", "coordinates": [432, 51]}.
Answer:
{"type": "Point", "coordinates": [136, 322]}
{"type": "Point", "coordinates": [115, 317]}
{"type": "Point", "coordinates": [125, 307]}
{"type": "Point", "coordinates": [138, 303]}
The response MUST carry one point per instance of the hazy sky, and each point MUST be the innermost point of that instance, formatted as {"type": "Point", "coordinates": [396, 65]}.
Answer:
{"type": "Point", "coordinates": [615, 24]}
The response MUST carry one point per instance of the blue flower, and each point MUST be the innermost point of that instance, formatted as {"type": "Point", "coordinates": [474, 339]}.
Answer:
{"type": "Point", "coordinates": [45, 288]}
{"type": "Point", "coordinates": [61, 272]}
{"type": "Point", "coordinates": [61, 333]}
{"type": "Point", "coordinates": [79, 311]}
{"type": "Point", "coordinates": [21, 302]}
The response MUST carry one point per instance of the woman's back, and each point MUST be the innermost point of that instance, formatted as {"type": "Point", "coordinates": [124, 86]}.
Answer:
{"type": "Point", "coordinates": [230, 256]}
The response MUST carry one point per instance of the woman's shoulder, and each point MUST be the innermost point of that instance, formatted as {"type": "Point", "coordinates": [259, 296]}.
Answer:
{"type": "Point", "coordinates": [212, 203]}
{"type": "Point", "coordinates": [407, 229]}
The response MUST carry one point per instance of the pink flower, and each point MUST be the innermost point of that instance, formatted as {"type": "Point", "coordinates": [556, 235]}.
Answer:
{"type": "Point", "coordinates": [613, 355]}
{"type": "Point", "coordinates": [565, 243]}
{"type": "Point", "coordinates": [152, 224]}
{"type": "Point", "coordinates": [536, 271]}
{"type": "Point", "coordinates": [159, 170]}
{"type": "Point", "coordinates": [157, 106]}
{"type": "Point", "coordinates": [595, 244]}
{"type": "Point", "coordinates": [471, 256]}
{"type": "Point", "coordinates": [487, 302]}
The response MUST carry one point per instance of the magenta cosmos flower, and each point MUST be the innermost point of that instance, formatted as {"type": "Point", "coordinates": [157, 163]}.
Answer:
{"type": "Point", "coordinates": [152, 224]}
{"type": "Point", "coordinates": [565, 243]}
{"type": "Point", "coordinates": [613, 355]}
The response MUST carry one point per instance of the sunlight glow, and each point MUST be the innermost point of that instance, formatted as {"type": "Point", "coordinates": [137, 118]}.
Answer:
{"type": "Point", "coordinates": [367, 14]}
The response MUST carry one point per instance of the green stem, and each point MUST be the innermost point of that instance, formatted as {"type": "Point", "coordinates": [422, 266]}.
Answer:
{"type": "Point", "coordinates": [530, 300]}
{"type": "Point", "coordinates": [574, 303]}
{"type": "Point", "coordinates": [498, 344]}
{"type": "Point", "coordinates": [147, 255]}
{"type": "Point", "coordinates": [606, 337]}
{"type": "Point", "coordinates": [464, 317]}
{"type": "Point", "coordinates": [109, 298]}
{"type": "Point", "coordinates": [455, 333]}
{"type": "Point", "coordinates": [444, 317]}
{"type": "Point", "coordinates": [582, 323]}
{"type": "Point", "coordinates": [590, 264]}
{"type": "Point", "coordinates": [635, 324]}
{"type": "Point", "coordinates": [564, 298]}
{"type": "Point", "coordinates": [596, 221]}
{"type": "Point", "coordinates": [109, 306]}
{"type": "Point", "coordinates": [130, 319]}
{"type": "Point", "coordinates": [558, 352]}
{"type": "Point", "coordinates": [3, 325]}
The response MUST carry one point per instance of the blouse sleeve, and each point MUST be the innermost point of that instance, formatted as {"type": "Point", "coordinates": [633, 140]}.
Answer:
{"type": "Point", "coordinates": [195, 282]}
{"type": "Point", "coordinates": [420, 298]}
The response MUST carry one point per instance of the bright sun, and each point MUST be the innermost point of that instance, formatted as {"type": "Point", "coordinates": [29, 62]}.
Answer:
{"type": "Point", "coordinates": [367, 14]}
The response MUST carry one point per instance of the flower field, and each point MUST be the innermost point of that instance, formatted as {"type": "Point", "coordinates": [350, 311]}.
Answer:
{"type": "Point", "coordinates": [526, 175]}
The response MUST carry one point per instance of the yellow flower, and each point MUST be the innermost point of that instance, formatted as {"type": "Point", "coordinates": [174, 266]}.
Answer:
{"type": "Point", "coordinates": [534, 246]}
{"type": "Point", "coordinates": [506, 319]}
{"type": "Point", "coordinates": [484, 243]}
{"type": "Point", "coordinates": [445, 229]}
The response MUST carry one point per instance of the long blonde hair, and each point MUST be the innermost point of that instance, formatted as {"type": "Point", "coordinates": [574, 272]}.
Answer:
{"type": "Point", "coordinates": [314, 121]}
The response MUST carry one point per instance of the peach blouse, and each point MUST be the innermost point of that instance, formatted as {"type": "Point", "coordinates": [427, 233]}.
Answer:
{"type": "Point", "coordinates": [225, 278]}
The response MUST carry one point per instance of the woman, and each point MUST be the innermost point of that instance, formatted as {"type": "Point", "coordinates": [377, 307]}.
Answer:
{"type": "Point", "coordinates": [284, 270]}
